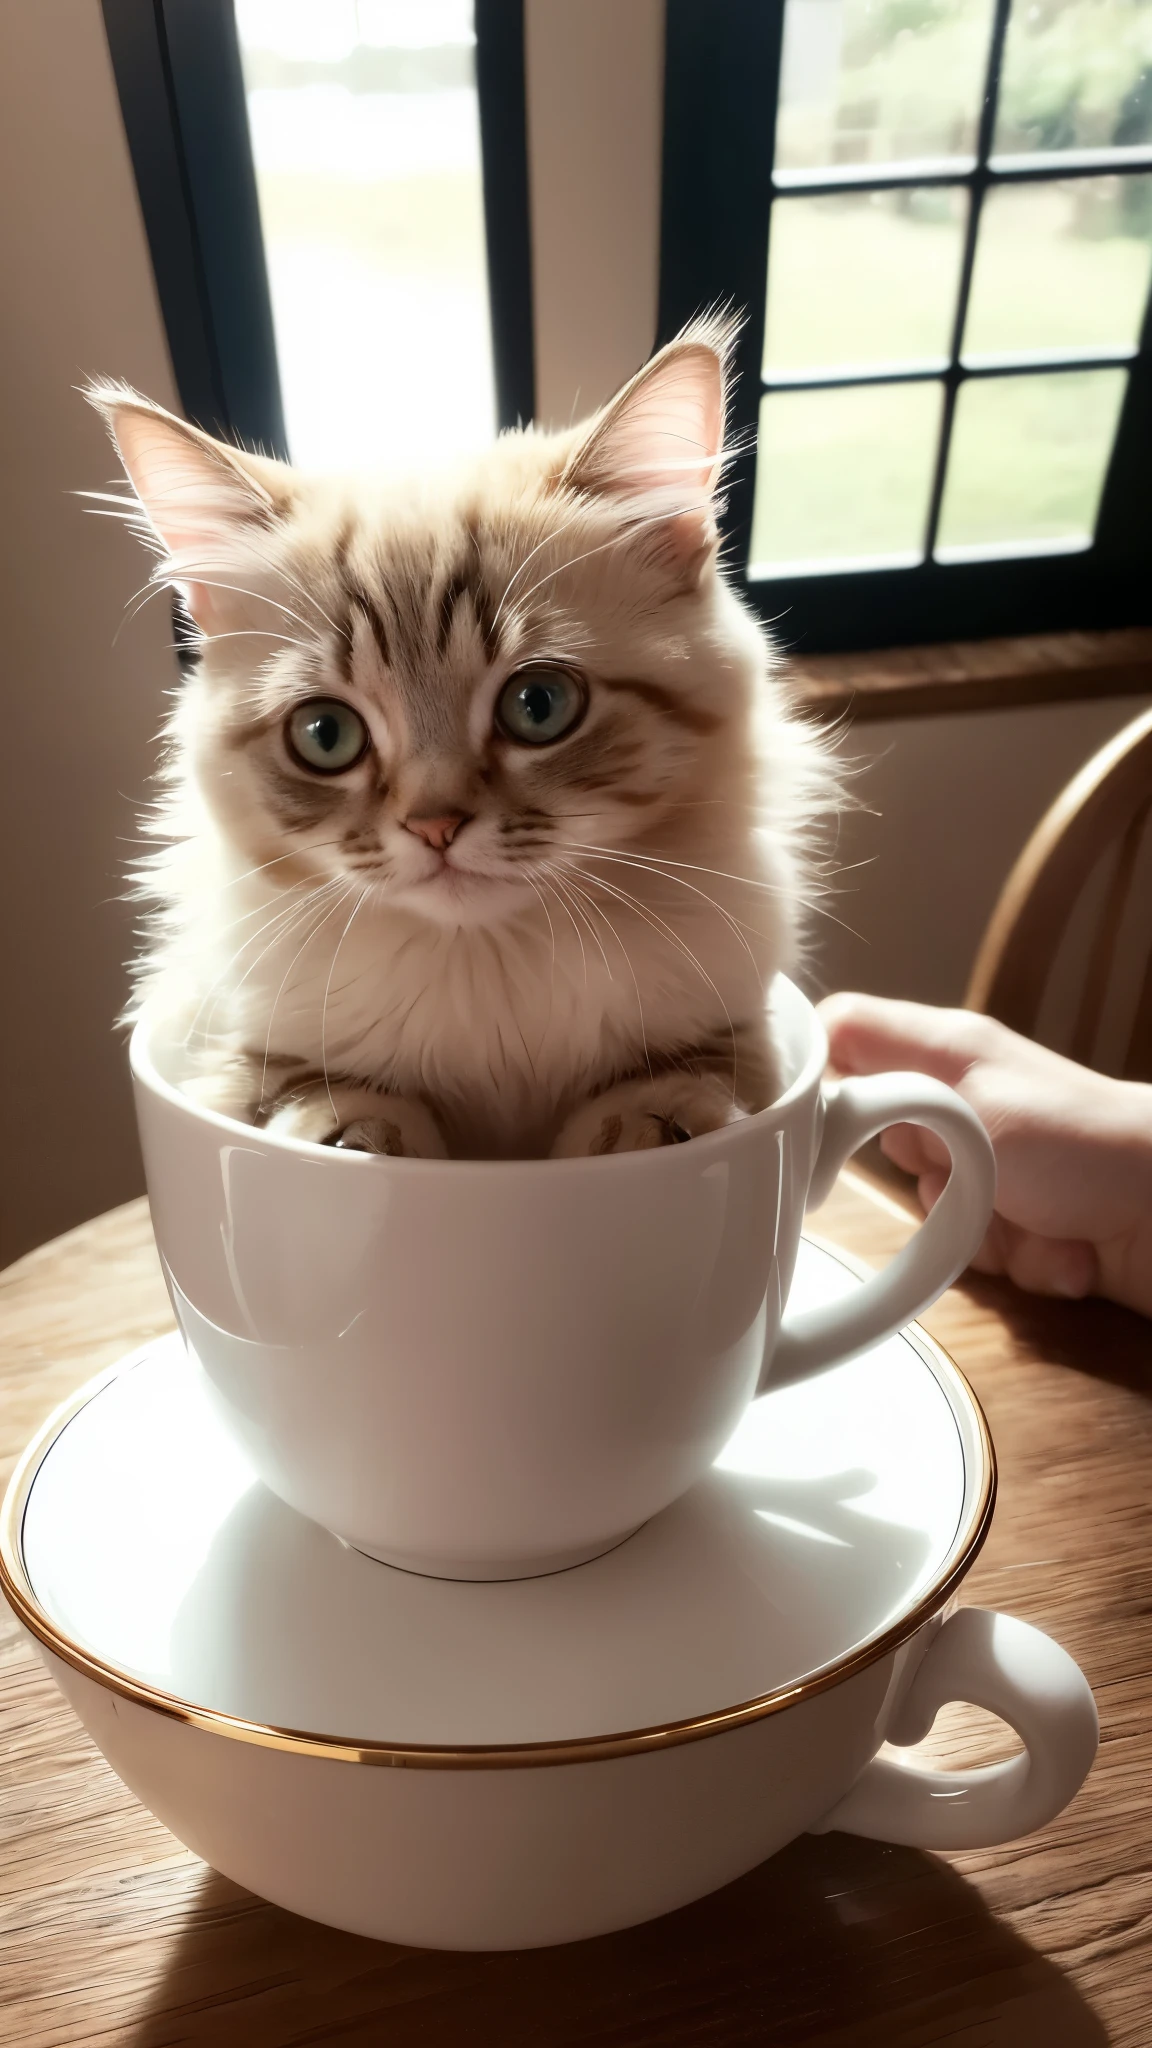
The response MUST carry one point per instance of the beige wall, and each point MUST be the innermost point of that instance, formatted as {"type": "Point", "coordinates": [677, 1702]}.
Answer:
{"type": "Point", "coordinates": [946, 803]}
{"type": "Point", "coordinates": [595, 86]}
{"type": "Point", "coordinates": [79, 712]}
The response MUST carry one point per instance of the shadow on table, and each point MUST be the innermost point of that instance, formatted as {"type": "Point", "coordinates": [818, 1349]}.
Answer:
{"type": "Point", "coordinates": [1093, 1336]}
{"type": "Point", "coordinates": [837, 1943]}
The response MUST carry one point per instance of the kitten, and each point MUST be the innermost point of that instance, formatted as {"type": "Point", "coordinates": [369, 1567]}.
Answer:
{"type": "Point", "coordinates": [485, 820]}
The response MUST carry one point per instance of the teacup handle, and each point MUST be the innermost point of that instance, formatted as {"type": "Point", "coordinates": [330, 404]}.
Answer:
{"type": "Point", "coordinates": [1012, 1670]}
{"type": "Point", "coordinates": [855, 1111]}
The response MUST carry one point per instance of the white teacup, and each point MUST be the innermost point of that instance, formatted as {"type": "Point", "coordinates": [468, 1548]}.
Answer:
{"type": "Point", "coordinates": [490, 1369]}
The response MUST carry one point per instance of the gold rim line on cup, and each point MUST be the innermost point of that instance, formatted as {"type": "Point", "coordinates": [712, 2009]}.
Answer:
{"type": "Point", "coordinates": [21, 1597]}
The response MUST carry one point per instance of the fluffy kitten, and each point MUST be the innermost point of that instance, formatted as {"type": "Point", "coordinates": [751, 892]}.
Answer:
{"type": "Point", "coordinates": [485, 818]}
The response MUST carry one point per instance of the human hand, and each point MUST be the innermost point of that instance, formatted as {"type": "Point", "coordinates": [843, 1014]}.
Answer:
{"type": "Point", "coordinates": [1073, 1148]}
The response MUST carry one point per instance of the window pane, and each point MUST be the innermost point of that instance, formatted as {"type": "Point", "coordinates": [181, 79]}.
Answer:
{"type": "Point", "coordinates": [1027, 461]}
{"type": "Point", "coordinates": [365, 134]}
{"type": "Point", "coordinates": [1061, 266]}
{"type": "Point", "coordinates": [863, 277]}
{"type": "Point", "coordinates": [1077, 75]}
{"type": "Point", "coordinates": [843, 477]}
{"type": "Point", "coordinates": [880, 81]}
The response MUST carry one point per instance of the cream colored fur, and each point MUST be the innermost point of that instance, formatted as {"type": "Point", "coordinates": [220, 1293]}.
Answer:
{"type": "Point", "coordinates": [585, 969]}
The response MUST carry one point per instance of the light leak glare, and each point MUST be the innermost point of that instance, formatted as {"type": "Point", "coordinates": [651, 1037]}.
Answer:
{"type": "Point", "coordinates": [365, 132]}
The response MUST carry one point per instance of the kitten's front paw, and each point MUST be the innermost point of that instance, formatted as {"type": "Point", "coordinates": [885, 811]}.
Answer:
{"type": "Point", "coordinates": [642, 1115]}
{"type": "Point", "coordinates": [359, 1120]}
{"type": "Point", "coordinates": [405, 1131]}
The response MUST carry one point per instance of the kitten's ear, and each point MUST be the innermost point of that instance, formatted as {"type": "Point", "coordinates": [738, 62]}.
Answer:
{"type": "Point", "coordinates": [657, 448]}
{"type": "Point", "coordinates": [197, 494]}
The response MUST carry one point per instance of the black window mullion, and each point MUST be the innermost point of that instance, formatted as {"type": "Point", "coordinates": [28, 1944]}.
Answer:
{"type": "Point", "coordinates": [181, 89]}
{"type": "Point", "coordinates": [721, 79]}
{"type": "Point", "coordinates": [1122, 521]}
{"type": "Point", "coordinates": [721, 85]}
{"type": "Point", "coordinates": [932, 373]}
{"type": "Point", "coordinates": [862, 178]}
{"type": "Point", "coordinates": [999, 171]}
{"type": "Point", "coordinates": [977, 181]}
{"type": "Point", "coordinates": [500, 93]}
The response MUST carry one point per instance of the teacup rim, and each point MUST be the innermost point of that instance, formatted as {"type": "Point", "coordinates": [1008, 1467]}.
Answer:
{"type": "Point", "coordinates": [147, 1074]}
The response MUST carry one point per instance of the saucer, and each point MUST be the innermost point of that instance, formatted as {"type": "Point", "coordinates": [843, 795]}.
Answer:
{"type": "Point", "coordinates": [142, 1550]}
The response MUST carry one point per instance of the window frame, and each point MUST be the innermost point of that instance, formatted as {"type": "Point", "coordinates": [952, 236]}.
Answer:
{"type": "Point", "coordinates": [180, 82]}
{"type": "Point", "coordinates": [181, 88]}
{"type": "Point", "coordinates": [722, 71]}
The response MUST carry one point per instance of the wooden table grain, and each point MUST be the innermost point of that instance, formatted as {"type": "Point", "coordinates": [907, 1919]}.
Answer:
{"type": "Point", "coordinates": [114, 1936]}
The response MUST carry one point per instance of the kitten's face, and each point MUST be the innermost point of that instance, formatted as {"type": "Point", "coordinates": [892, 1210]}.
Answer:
{"type": "Point", "coordinates": [441, 694]}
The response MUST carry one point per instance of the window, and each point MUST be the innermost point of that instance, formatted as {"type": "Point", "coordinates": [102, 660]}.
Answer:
{"type": "Point", "coordinates": [365, 138]}
{"type": "Point", "coordinates": [937, 215]}
{"type": "Point", "coordinates": [322, 239]}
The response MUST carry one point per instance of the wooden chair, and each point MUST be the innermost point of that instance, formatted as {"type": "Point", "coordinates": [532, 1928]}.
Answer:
{"type": "Point", "coordinates": [1095, 829]}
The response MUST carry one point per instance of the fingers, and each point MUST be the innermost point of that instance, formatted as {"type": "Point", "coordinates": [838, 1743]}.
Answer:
{"type": "Point", "coordinates": [869, 1034]}
{"type": "Point", "coordinates": [1062, 1266]}
{"type": "Point", "coordinates": [1040, 1265]}
{"type": "Point", "coordinates": [913, 1149]}
{"type": "Point", "coordinates": [1047, 1265]}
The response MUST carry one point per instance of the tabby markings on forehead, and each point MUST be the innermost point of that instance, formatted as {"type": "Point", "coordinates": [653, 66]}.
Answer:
{"type": "Point", "coordinates": [467, 581]}
{"type": "Point", "coordinates": [370, 612]}
{"type": "Point", "coordinates": [356, 599]}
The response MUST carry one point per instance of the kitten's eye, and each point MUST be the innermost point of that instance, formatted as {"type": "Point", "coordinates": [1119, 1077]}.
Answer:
{"type": "Point", "coordinates": [539, 705]}
{"type": "Point", "coordinates": [326, 735]}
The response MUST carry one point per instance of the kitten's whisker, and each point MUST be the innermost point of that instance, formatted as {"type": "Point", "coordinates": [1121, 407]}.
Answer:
{"type": "Point", "coordinates": [616, 540]}
{"type": "Point", "coordinates": [293, 582]}
{"type": "Point", "coordinates": [135, 604]}
{"type": "Point", "coordinates": [310, 882]}
{"type": "Point", "coordinates": [658, 924]}
{"type": "Point", "coordinates": [647, 868]}
{"type": "Point", "coordinates": [285, 910]}
{"type": "Point", "coordinates": [259, 633]}
{"type": "Point", "coordinates": [281, 922]}
{"type": "Point", "coordinates": [577, 898]}
{"type": "Point", "coordinates": [603, 915]}
{"type": "Point", "coordinates": [284, 927]}
{"type": "Point", "coordinates": [169, 571]}
{"type": "Point", "coordinates": [257, 908]}
{"type": "Point", "coordinates": [193, 575]}
{"type": "Point", "coordinates": [622, 860]}
{"type": "Point", "coordinates": [99, 512]}
{"type": "Point", "coordinates": [660, 862]}
{"type": "Point", "coordinates": [544, 908]}
{"type": "Point", "coordinates": [126, 503]}
{"type": "Point", "coordinates": [518, 571]}
{"type": "Point", "coordinates": [696, 867]}
{"type": "Point", "coordinates": [293, 853]}
{"type": "Point", "coordinates": [327, 989]}
{"type": "Point", "coordinates": [293, 963]}
{"type": "Point", "coordinates": [566, 907]}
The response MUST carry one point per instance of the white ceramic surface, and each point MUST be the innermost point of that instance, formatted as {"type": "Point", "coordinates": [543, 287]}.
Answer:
{"type": "Point", "coordinates": [483, 1369]}
{"type": "Point", "coordinates": [511, 1764]}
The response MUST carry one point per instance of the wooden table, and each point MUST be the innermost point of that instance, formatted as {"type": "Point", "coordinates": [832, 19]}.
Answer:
{"type": "Point", "coordinates": [112, 1934]}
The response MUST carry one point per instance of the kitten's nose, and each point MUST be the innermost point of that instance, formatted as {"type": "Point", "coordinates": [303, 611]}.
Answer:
{"type": "Point", "coordinates": [437, 832]}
